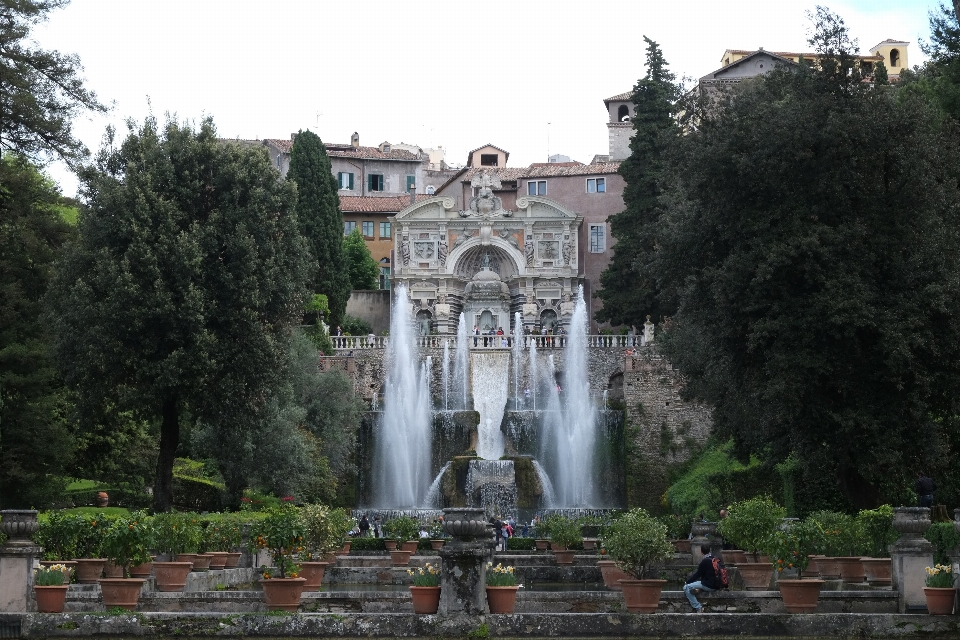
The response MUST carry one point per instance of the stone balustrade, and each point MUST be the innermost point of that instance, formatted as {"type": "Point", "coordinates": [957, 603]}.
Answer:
{"type": "Point", "coordinates": [357, 343]}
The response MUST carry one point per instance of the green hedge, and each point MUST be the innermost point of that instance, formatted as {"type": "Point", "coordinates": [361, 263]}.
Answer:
{"type": "Point", "coordinates": [944, 539]}
{"type": "Point", "coordinates": [197, 494]}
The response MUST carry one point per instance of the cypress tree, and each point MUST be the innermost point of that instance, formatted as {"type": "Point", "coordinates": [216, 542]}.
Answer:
{"type": "Point", "coordinates": [321, 223]}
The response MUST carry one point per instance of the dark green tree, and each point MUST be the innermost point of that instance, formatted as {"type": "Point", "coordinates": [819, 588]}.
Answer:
{"type": "Point", "coordinates": [184, 286]}
{"type": "Point", "coordinates": [318, 210]}
{"type": "Point", "coordinates": [939, 78]}
{"type": "Point", "coordinates": [812, 239]}
{"type": "Point", "coordinates": [36, 446]}
{"type": "Point", "coordinates": [40, 91]}
{"type": "Point", "coordinates": [364, 270]}
{"type": "Point", "coordinates": [880, 76]}
{"type": "Point", "coordinates": [629, 291]}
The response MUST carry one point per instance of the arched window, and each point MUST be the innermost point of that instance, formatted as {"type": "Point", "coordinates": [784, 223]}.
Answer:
{"type": "Point", "coordinates": [894, 58]}
{"type": "Point", "coordinates": [623, 113]}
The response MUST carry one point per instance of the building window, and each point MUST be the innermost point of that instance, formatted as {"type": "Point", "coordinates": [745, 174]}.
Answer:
{"type": "Point", "coordinates": [536, 187]}
{"type": "Point", "coordinates": [384, 277]}
{"type": "Point", "coordinates": [385, 231]}
{"type": "Point", "coordinates": [598, 238]}
{"type": "Point", "coordinates": [368, 229]}
{"type": "Point", "coordinates": [411, 183]}
{"type": "Point", "coordinates": [375, 182]}
{"type": "Point", "coordinates": [596, 185]}
{"type": "Point", "coordinates": [623, 113]}
{"type": "Point", "coordinates": [349, 226]}
{"type": "Point", "coordinates": [489, 160]}
{"type": "Point", "coordinates": [894, 58]}
{"type": "Point", "coordinates": [345, 180]}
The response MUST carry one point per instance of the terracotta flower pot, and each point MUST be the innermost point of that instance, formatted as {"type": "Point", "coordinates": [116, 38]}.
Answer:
{"type": "Point", "coordinates": [563, 557]}
{"type": "Point", "coordinates": [541, 544]}
{"type": "Point", "coordinates": [612, 574]}
{"type": "Point", "coordinates": [141, 570]}
{"type": "Point", "coordinates": [876, 570]}
{"type": "Point", "coordinates": [589, 544]}
{"type": "Point", "coordinates": [89, 569]}
{"type": "Point", "coordinates": [283, 593]}
{"type": "Point", "coordinates": [642, 596]}
{"type": "Point", "coordinates": [51, 599]}
{"type": "Point", "coordinates": [502, 599]}
{"type": "Point", "coordinates": [800, 596]}
{"type": "Point", "coordinates": [312, 572]}
{"type": "Point", "coordinates": [345, 549]}
{"type": "Point", "coordinates": [851, 570]}
{"type": "Point", "coordinates": [171, 576]}
{"type": "Point", "coordinates": [391, 545]}
{"type": "Point", "coordinates": [682, 545]}
{"type": "Point", "coordinates": [111, 570]}
{"type": "Point", "coordinates": [218, 560]}
{"type": "Point", "coordinates": [756, 575]}
{"type": "Point", "coordinates": [233, 560]}
{"type": "Point", "coordinates": [829, 567]}
{"type": "Point", "coordinates": [813, 567]}
{"type": "Point", "coordinates": [556, 546]}
{"type": "Point", "coordinates": [734, 556]}
{"type": "Point", "coordinates": [410, 545]}
{"type": "Point", "coordinates": [940, 601]}
{"type": "Point", "coordinates": [436, 545]}
{"type": "Point", "coordinates": [400, 558]}
{"type": "Point", "coordinates": [202, 562]}
{"type": "Point", "coordinates": [425, 599]}
{"type": "Point", "coordinates": [121, 592]}
{"type": "Point", "coordinates": [187, 557]}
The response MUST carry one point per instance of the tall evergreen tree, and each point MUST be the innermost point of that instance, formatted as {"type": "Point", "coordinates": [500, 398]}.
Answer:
{"type": "Point", "coordinates": [35, 442]}
{"type": "Point", "coordinates": [183, 288]}
{"type": "Point", "coordinates": [629, 291]}
{"type": "Point", "coordinates": [318, 210]}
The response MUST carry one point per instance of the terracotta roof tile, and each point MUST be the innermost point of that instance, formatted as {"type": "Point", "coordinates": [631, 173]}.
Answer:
{"type": "Point", "coordinates": [377, 204]}
{"type": "Point", "coordinates": [620, 97]}
{"type": "Point", "coordinates": [348, 151]}
{"type": "Point", "coordinates": [544, 170]}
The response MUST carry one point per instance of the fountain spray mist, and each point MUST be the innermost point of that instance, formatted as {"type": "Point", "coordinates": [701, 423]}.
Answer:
{"type": "Point", "coordinates": [461, 365]}
{"type": "Point", "coordinates": [402, 450]}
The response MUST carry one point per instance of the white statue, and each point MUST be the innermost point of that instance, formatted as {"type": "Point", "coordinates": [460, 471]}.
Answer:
{"type": "Point", "coordinates": [648, 331]}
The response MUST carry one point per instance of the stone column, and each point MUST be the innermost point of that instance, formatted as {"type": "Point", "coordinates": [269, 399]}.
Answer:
{"type": "Point", "coordinates": [463, 567]}
{"type": "Point", "coordinates": [18, 555]}
{"type": "Point", "coordinates": [910, 555]}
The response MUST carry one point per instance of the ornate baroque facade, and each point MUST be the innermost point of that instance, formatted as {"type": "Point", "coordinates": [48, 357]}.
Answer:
{"type": "Point", "coordinates": [487, 262]}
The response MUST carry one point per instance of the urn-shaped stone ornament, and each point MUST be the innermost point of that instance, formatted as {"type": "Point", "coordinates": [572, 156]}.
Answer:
{"type": "Point", "coordinates": [19, 525]}
{"type": "Point", "coordinates": [465, 524]}
{"type": "Point", "coordinates": [911, 522]}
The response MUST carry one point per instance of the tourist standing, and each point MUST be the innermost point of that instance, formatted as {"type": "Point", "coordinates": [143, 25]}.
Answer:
{"type": "Point", "coordinates": [376, 527]}
{"type": "Point", "coordinates": [925, 488]}
{"type": "Point", "coordinates": [364, 526]}
{"type": "Point", "coordinates": [476, 333]}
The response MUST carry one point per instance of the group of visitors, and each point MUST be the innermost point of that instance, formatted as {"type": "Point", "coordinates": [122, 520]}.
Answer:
{"type": "Point", "coordinates": [504, 530]}
{"type": "Point", "coordinates": [366, 529]}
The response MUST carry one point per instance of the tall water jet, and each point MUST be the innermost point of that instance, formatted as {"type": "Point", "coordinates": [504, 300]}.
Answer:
{"type": "Point", "coordinates": [517, 357]}
{"type": "Point", "coordinates": [572, 435]}
{"type": "Point", "coordinates": [445, 375]}
{"type": "Point", "coordinates": [461, 365]}
{"type": "Point", "coordinates": [489, 400]}
{"type": "Point", "coordinates": [403, 442]}
{"type": "Point", "coordinates": [533, 373]}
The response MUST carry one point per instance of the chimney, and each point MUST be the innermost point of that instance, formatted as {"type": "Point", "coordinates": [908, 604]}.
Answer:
{"type": "Point", "coordinates": [355, 140]}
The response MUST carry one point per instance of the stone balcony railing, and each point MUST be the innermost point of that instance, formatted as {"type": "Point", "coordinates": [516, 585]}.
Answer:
{"type": "Point", "coordinates": [356, 343]}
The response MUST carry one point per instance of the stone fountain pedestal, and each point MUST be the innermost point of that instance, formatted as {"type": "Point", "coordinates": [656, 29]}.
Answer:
{"type": "Point", "coordinates": [910, 555]}
{"type": "Point", "coordinates": [18, 555]}
{"type": "Point", "coordinates": [463, 562]}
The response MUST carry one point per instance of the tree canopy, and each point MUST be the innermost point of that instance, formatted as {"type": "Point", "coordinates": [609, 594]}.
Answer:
{"type": "Point", "coordinates": [184, 286]}
{"type": "Point", "coordinates": [811, 239]}
{"type": "Point", "coordinates": [42, 90]}
{"type": "Point", "coordinates": [318, 212]}
{"type": "Point", "coordinates": [364, 270]}
{"type": "Point", "coordinates": [629, 291]}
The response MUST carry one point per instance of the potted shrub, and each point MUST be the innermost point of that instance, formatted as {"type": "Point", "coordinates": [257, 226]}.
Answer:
{"type": "Point", "coordinates": [321, 537]}
{"type": "Point", "coordinates": [502, 588]}
{"type": "Point", "coordinates": [939, 590]}
{"type": "Point", "coordinates": [343, 524]}
{"type": "Point", "coordinates": [50, 586]}
{"type": "Point", "coordinates": [834, 543]}
{"type": "Point", "coordinates": [406, 531]}
{"type": "Point", "coordinates": [425, 591]}
{"type": "Point", "coordinates": [88, 534]}
{"type": "Point", "coordinates": [281, 532]}
{"type": "Point", "coordinates": [223, 536]}
{"type": "Point", "coordinates": [790, 549]}
{"type": "Point", "coordinates": [637, 542]}
{"type": "Point", "coordinates": [437, 535]}
{"type": "Point", "coordinates": [126, 543]}
{"type": "Point", "coordinates": [172, 535]}
{"type": "Point", "coordinates": [878, 534]}
{"type": "Point", "coordinates": [564, 534]}
{"type": "Point", "coordinates": [749, 525]}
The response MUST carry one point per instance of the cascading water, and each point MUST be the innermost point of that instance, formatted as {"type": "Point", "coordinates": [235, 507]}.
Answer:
{"type": "Point", "coordinates": [489, 400]}
{"type": "Point", "coordinates": [548, 498]}
{"type": "Point", "coordinates": [517, 354]}
{"type": "Point", "coordinates": [461, 364]}
{"type": "Point", "coordinates": [403, 437]}
{"type": "Point", "coordinates": [533, 373]}
{"type": "Point", "coordinates": [445, 375]}
{"type": "Point", "coordinates": [571, 437]}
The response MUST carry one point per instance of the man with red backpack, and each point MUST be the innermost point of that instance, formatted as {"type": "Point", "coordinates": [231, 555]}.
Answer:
{"type": "Point", "coordinates": [711, 574]}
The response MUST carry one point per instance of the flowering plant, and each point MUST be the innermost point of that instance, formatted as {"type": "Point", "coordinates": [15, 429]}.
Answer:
{"type": "Point", "coordinates": [52, 576]}
{"type": "Point", "coordinates": [939, 576]}
{"type": "Point", "coordinates": [427, 576]}
{"type": "Point", "coordinates": [177, 533]}
{"type": "Point", "coordinates": [792, 545]}
{"type": "Point", "coordinates": [128, 541]}
{"type": "Point", "coordinates": [500, 576]}
{"type": "Point", "coordinates": [281, 532]}
{"type": "Point", "coordinates": [436, 530]}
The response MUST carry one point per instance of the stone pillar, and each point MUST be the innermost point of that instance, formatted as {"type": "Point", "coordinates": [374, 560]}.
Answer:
{"type": "Point", "coordinates": [18, 555]}
{"type": "Point", "coordinates": [704, 533]}
{"type": "Point", "coordinates": [910, 555]}
{"type": "Point", "coordinates": [463, 563]}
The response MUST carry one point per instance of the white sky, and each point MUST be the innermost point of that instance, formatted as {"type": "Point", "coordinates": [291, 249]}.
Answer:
{"type": "Point", "coordinates": [529, 77]}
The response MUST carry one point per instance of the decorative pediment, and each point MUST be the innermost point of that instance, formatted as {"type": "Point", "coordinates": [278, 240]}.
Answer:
{"type": "Point", "coordinates": [429, 209]}
{"type": "Point", "coordinates": [538, 207]}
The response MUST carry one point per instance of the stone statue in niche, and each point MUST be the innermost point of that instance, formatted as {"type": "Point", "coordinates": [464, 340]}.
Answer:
{"type": "Point", "coordinates": [463, 237]}
{"type": "Point", "coordinates": [442, 251]}
{"type": "Point", "coordinates": [424, 250]}
{"type": "Point", "coordinates": [648, 331]}
{"type": "Point", "coordinates": [405, 251]}
{"type": "Point", "coordinates": [548, 250]}
{"type": "Point", "coordinates": [507, 234]}
{"type": "Point", "coordinates": [567, 251]}
{"type": "Point", "coordinates": [528, 250]}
